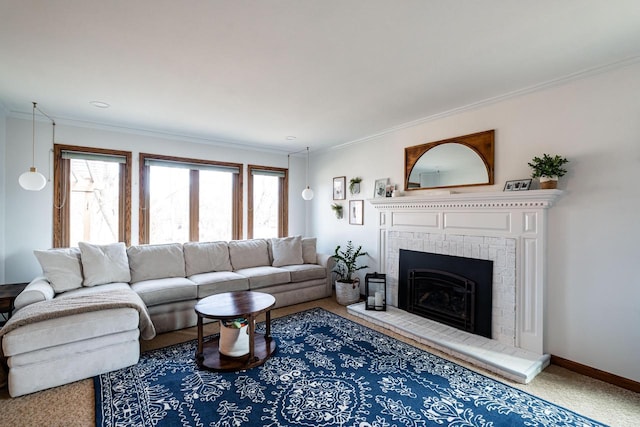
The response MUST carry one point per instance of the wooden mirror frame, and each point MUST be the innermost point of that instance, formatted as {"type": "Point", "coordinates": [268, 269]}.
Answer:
{"type": "Point", "coordinates": [482, 143]}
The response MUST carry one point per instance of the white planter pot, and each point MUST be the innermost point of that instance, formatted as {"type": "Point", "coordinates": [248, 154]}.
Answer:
{"type": "Point", "coordinates": [347, 293]}
{"type": "Point", "coordinates": [234, 342]}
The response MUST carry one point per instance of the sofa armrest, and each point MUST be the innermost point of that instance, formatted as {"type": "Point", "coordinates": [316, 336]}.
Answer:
{"type": "Point", "coordinates": [38, 290]}
{"type": "Point", "coordinates": [327, 261]}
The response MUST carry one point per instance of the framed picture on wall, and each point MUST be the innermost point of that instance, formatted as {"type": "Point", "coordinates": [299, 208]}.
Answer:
{"type": "Point", "coordinates": [356, 208]}
{"type": "Point", "coordinates": [339, 187]}
{"type": "Point", "coordinates": [381, 187]}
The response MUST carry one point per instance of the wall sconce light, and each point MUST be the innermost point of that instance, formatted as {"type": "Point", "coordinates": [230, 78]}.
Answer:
{"type": "Point", "coordinates": [33, 180]}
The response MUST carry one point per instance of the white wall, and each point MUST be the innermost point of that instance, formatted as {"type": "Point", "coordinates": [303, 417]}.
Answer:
{"type": "Point", "coordinates": [594, 233]}
{"type": "Point", "coordinates": [29, 214]}
{"type": "Point", "coordinates": [3, 139]}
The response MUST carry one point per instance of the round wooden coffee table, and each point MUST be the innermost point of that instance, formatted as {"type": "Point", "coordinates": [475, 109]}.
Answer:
{"type": "Point", "coordinates": [229, 306]}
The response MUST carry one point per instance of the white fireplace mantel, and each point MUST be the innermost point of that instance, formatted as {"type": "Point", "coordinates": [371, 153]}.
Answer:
{"type": "Point", "coordinates": [517, 215]}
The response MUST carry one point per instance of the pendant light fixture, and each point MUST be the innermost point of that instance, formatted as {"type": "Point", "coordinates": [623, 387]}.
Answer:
{"type": "Point", "coordinates": [307, 193]}
{"type": "Point", "coordinates": [33, 180]}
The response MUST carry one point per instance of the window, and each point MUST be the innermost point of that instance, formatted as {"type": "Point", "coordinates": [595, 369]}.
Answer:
{"type": "Point", "coordinates": [185, 200]}
{"type": "Point", "coordinates": [268, 206]}
{"type": "Point", "coordinates": [92, 196]}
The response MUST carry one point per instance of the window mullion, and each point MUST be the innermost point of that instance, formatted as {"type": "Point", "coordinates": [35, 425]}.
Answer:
{"type": "Point", "coordinates": [194, 205]}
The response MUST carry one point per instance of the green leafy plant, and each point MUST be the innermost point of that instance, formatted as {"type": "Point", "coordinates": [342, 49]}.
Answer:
{"type": "Point", "coordinates": [346, 262]}
{"type": "Point", "coordinates": [337, 208]}
{"type": "Point", "coordinates": [352, 184]}
{"type": "Point", "coordinates": [548, 166]}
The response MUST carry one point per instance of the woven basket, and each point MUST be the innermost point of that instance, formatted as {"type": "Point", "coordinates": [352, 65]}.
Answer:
{"type": "Point", "coordinates": [348, 293]}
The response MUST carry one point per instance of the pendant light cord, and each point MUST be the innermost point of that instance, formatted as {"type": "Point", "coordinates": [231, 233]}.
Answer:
{"type": "Point", "coordinates": [33, 137]}
{"type": "Point", "coordinates": [307, 167]}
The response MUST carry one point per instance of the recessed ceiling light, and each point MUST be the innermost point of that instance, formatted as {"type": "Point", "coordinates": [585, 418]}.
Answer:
{"type": "Point", "coordinates": [99, 104]}
{"type": "Point", "coordinates": [291, 138]}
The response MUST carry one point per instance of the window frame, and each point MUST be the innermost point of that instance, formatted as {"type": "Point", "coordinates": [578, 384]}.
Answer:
{"type": "Point", "coordinates": [283, 199]}
{"type": "Point", "coordinates": [61, 177]}
{"type": "Point", "coordinates": [194, 195]}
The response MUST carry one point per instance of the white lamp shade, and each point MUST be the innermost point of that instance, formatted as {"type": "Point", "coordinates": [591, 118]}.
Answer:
{"type": "Point", "coordinates": [307, 193]}
{"type": "Point", "coordinates": [32, 180]}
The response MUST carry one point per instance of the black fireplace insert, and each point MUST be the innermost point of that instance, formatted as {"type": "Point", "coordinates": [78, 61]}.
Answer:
{"type": "Point", "coordinates": [453, 290]}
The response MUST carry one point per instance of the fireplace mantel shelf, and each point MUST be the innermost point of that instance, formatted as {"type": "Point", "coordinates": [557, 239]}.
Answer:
{"type": "Point", "coordinates": [502, 199]}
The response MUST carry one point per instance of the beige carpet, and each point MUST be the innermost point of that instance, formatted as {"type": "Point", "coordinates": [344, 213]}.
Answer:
{"type": "Point", "coordinates": [73, 404]}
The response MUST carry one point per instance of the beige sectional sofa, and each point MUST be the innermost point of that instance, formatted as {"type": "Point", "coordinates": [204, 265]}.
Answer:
{"type": "Point", "coordinates": [84, 316]}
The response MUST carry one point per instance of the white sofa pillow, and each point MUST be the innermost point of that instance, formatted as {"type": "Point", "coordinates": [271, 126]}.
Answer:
{"type": "Point", "coordinates": [309, 251]}
{"type": "Point", "coordinates": [148, 262]}
{"type": "Point", "coordinates": [286, 251]}
{"type": "Point", "coordinates": [248, 253]}
{"type": "Point", "coordinates": [61, 267]}
{"type": "Point", "coordinates": [205, 257]}
{"type": "Point", "coordinates": [104, 264]}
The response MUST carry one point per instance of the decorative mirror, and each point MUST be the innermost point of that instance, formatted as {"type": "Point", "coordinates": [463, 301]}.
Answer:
{"type": "Point", "coordinates": [455, 162]}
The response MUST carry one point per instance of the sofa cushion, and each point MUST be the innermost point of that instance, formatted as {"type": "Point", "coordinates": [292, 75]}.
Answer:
{"type": "Point", "coordinates": [161, 291]}
{"type": "Point", "coordinates": [304, 272]}
{"type": "Point", "coordinates": [147, 262]}
{"type": "Point", "coordinates": [95, 290]}
{"type": "Point", "coordinates": [309, 251]}
{"type": "Point", "coordinates": [103, 264]}
{"type": "Point", "coordinates": [260, 277]}
{"type": "Point", "coordinates": [204, 257]}
{"type": "Point", "coordinates": [219, 281]}
{"type": "Point", "coordinates": [68, 329]}
{"type": "Point", "coordinates": [286, 251]}
{"type": "Point", "coordinates": [248, 253]}
{"type": "Point", "coordinates": [62, 268]}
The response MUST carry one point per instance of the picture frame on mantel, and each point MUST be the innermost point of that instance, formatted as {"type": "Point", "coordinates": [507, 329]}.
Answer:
{"type": "Point", "coordinates": [380, 189]}
{"type": "Point", "coordinates": [339, 188]}
{"type": "Point", "coordinates": [517, 185]}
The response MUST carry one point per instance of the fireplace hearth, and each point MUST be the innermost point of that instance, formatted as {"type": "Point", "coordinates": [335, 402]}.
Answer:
{"type": "Point", "coordinates": [456, 291]}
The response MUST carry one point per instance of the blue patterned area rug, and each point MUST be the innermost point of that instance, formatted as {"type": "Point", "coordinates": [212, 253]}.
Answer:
{"type": "Point", "coordinates": [327, 371]}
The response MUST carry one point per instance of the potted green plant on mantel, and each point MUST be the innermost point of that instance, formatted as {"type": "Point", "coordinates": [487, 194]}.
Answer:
{"type": "Point", "coordinates": [347, 287]}
{"type": "Point", "coordinates": [548, 169]}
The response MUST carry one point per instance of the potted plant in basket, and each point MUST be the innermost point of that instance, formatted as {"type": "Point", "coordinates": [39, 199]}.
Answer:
{"type": "Point", "coordinates": [548, 169]}
{"type": "Point", "coordinates": [347, 287]}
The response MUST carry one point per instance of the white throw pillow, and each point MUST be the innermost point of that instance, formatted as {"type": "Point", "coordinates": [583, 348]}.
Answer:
{"type": "Point", "coordinates": [104, 264]}
{"type": "Point", "coordinates": [287, 251]}
{"type": "Point", "coordinates": [61, 267]}
{"type": "Point", "coordinates": [248, 253]}
{"type": "Point", "coordinates": [309, 251]}
{"type": "Point", "coordinates": [147, 262]}
{"type": "Point", "coordinates": [204, 257]}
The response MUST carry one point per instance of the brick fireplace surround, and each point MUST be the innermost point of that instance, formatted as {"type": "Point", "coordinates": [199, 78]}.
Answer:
{"type": "Point", "coordinates": [508, 228]}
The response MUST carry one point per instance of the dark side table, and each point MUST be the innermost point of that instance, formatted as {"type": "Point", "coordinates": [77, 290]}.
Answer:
{"type": "Point", "coordinates": [8, 294]}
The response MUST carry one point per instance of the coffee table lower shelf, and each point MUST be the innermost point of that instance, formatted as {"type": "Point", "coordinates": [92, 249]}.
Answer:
{"type": "Point", "coordinates": [211, 359]}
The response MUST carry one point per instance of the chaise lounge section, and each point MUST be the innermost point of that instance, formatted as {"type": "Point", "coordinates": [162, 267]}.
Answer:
{"type": "Point", "coordinates": [94, 302]}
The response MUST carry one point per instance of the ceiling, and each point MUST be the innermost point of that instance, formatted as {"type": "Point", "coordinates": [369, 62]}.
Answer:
{"type": "Point", "coordinates": [326, 72]}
